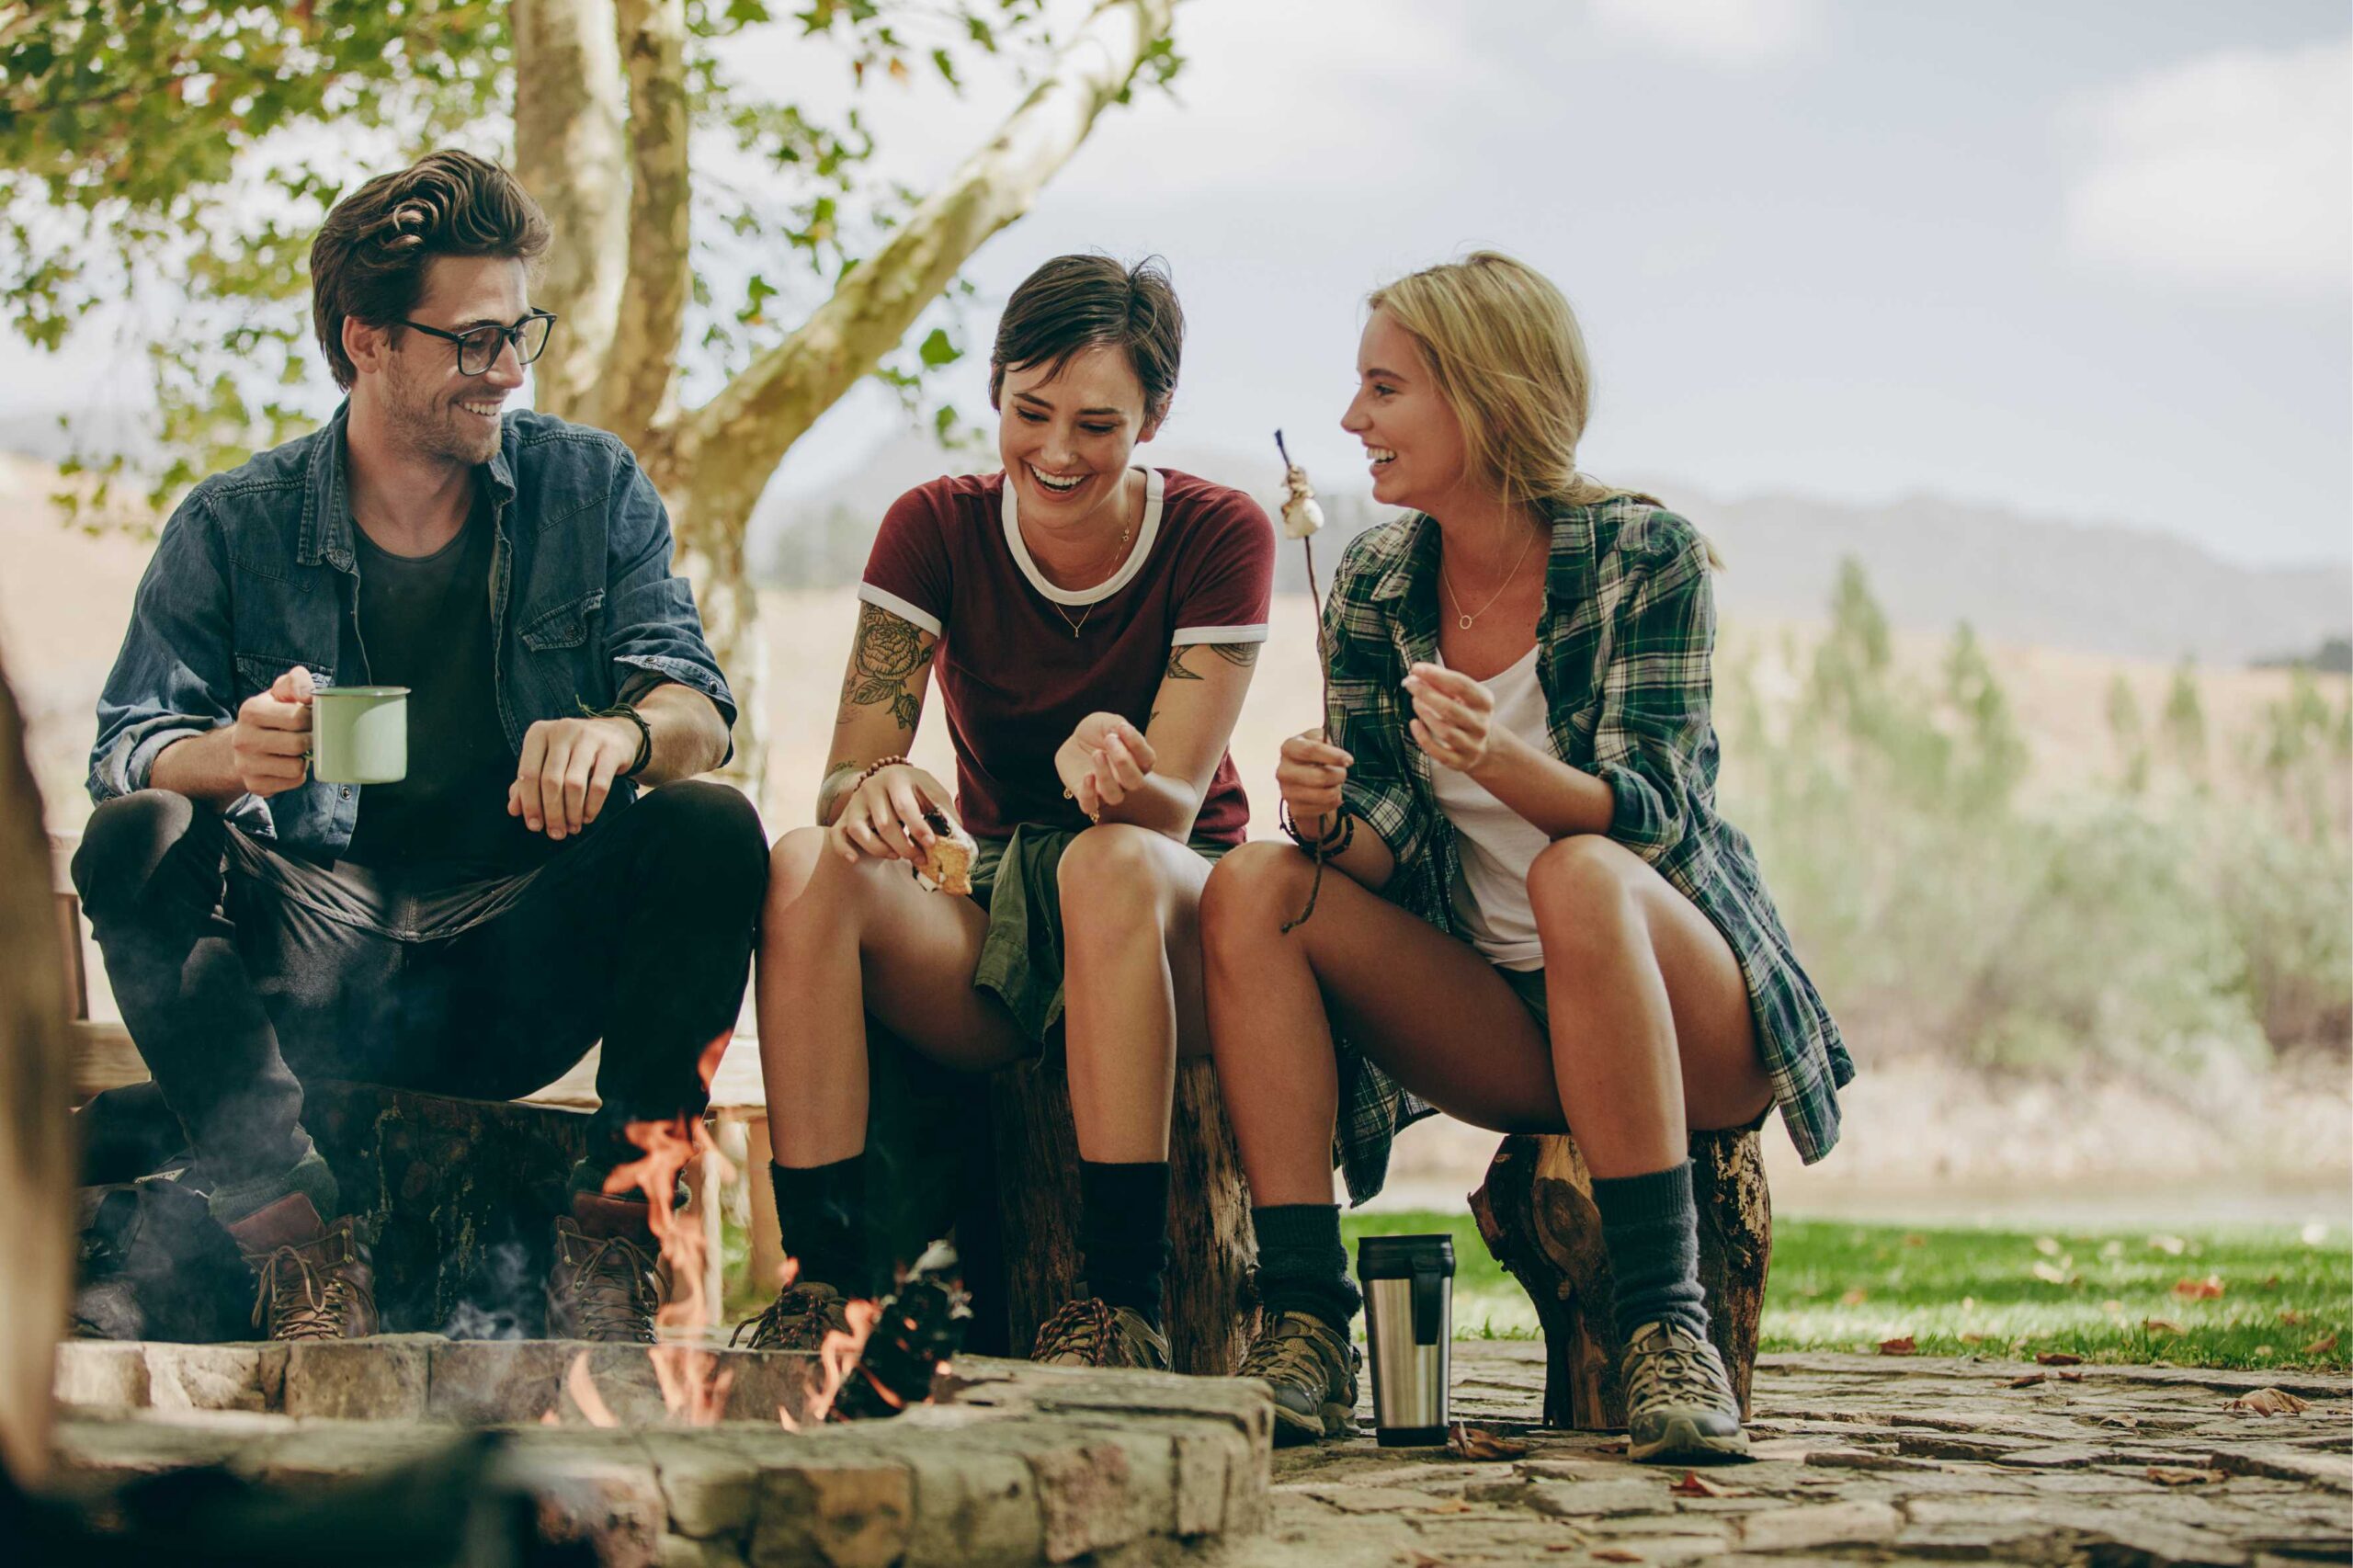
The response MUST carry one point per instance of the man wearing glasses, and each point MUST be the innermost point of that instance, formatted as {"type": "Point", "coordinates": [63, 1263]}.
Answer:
{"type": "Point", "coordinates": [477, 927]}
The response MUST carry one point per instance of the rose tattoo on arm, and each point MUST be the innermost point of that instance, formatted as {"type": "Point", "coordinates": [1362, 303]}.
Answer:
{"type": "Point", "coordinates": [884, 659]}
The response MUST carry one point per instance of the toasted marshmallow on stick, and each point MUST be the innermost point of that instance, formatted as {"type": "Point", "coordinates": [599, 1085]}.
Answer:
{"type": "Point", "coordinates": [1301, 516]}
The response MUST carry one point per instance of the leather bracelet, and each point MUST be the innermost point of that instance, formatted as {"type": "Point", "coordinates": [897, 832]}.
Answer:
{"type": "Point", "coordinates": [644, 733]}
{"type": "Point", "coordinates": [1342, 834]}
{"type": "Point", "coordinates": [874, 768]}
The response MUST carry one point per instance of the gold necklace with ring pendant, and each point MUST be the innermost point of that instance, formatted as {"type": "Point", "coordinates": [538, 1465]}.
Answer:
{"type": "Point", "coordinates": [1463, 620]}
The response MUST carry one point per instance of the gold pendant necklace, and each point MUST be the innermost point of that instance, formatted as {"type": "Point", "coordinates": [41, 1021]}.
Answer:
{"type": "Point", "coordinates": [1463, 620]}
{"type": "Point", "coordinates": [1119, 555]}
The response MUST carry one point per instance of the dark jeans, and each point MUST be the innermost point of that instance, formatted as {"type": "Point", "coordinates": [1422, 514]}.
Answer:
{"type": "Point", "coordinates": [243, 972]}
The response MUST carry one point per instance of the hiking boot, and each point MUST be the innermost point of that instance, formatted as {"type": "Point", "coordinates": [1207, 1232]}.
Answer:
{"type": "Point", "coordinates": [315, 1282]}
{"type": "Point", "coordinates": [1093, 1333]}
{"type": "Point", "coordinates": [1680, 1405]}
{"type": "Point", "coordinates": [1311, 1369]}
{"type": "Point", "coordinates": [607, 1280]}
{"type": "Point", "coordinates": [800, 1318]}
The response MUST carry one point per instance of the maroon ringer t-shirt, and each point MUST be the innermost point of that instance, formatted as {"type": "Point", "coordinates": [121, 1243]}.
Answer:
{"type": "Point", "coordinates": [1016, 682]}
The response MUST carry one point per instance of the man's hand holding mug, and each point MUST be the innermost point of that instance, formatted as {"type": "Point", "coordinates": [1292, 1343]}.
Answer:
{"type": "Point", "coordinates": [271, 744]}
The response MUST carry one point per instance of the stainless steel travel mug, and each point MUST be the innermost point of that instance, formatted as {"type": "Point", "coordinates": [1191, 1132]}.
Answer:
{"type": "Point", "coordinates": [1409, 1322]}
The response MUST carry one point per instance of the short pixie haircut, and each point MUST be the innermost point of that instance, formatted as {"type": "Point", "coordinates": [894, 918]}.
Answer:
{"type": "Point", "coordinates": [1075, 303]}
{"type": "Point", "coordinates": [369, 259]}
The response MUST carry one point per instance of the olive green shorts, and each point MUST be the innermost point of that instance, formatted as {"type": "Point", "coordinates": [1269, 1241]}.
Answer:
{"type": "Point", "coordinates": [1017, 881]}
{"type": "Point", "coordinates": [1528, 984]}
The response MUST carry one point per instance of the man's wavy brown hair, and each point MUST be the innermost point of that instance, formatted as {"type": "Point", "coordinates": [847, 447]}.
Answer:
{"type": "Point", "coordinates": [369, 259]}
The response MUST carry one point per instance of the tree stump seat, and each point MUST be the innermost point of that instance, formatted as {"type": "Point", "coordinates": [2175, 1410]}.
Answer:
{"type": "Point", "coordinates": [994, 1162]}
{"type": "Point", "coordinates": [1537, 1215]}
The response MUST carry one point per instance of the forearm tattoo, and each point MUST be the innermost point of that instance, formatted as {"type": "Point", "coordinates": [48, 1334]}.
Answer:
{"type": "Point", "coordinates": [883, 664]}
{"type": "Point", "coordinates": [1240, 655]}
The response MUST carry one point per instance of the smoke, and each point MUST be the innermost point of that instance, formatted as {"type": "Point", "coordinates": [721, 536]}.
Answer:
{"type": "Point", "coordinates": [507, 1303]}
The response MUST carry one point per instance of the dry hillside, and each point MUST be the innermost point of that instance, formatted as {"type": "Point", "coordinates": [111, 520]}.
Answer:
{"type": "Point", "coordinates": [64, 597]}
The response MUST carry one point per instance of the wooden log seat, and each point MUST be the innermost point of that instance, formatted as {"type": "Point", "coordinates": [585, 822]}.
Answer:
{"type": "Point", "coordinates": [1210, 1304]}
{"type": "Point", "coordinates": [1536, 1211]}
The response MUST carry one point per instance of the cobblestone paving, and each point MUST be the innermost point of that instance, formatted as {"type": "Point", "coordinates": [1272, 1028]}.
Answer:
{"type": "Point", "coordinates": [1860, 1459]}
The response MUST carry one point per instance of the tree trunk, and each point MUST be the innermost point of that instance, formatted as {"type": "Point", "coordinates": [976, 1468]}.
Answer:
{"type": "Point", "coordinates": [1536, 1211]}
{"type": "Point", "coordinates": [1208, 1302]}
{"type": "Point", "coordinates": [729, 603]}
{"type": "Point", "coordinates": [711, 463]}
{"type": "Point", "coordinates": [36, 1135]}
{"type": "Point", "coordinates": [572, 155]}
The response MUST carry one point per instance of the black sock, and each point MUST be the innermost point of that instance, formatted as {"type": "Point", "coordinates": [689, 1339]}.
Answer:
{"type": "Point", "coordinates": [1302, 1266]}
{"type": "Point", "coordinates": [821, 1218]}
{"type": "Point", "coordinates": [1650, 1228]}
{"type": "Point", "coordinates": [1123, 1232]}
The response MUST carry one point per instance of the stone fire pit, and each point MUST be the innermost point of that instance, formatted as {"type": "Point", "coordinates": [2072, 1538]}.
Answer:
{"type": "Point", "coordinates": [1012, 1463]}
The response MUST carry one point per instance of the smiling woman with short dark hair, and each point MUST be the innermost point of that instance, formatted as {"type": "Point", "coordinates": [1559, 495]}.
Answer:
{"type": "Point", "coordinates": [1092, 625]}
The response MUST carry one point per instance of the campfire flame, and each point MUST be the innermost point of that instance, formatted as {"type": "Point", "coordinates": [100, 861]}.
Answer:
{"type": "Point", "coordinates": [583, 1389]}
{"type": "Point", "coordinates": [838, 1354]}
{"type": "Point", "coordinates": [694, 1386]}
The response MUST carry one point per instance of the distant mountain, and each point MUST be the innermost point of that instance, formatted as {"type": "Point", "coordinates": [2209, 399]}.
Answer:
{"type": "Point", "coordinates": [2098, 587]}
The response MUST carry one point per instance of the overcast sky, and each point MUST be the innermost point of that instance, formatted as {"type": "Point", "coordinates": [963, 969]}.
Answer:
{"type": "Point", "coordinates": [2089, 259]}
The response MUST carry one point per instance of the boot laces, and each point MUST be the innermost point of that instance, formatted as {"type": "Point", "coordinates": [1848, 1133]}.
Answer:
{"type": "Point", "coordinates": [302, 1297]}
{"type": "Point", "coordinates": [613, 1283]}
{"type": "Point", "coordinates": [798, 1313]}
{"type": "Point", "coordinates": [1085, 1329]}
{"type": "Point", "coordinates": [1672, 1365]}
{"type": "Point", "coordinates": [1287, 1352]}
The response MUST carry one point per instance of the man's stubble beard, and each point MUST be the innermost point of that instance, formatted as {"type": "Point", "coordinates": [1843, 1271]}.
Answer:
{"type": "Point", "coordinates": [432, 428]}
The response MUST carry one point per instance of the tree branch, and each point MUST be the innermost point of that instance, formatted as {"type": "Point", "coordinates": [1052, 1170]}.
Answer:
{"type": "Point", "coordinates": [723, 452]}
{"type": "Point", "coordinates": [568, 117]}
{"type": "Point", "coordinates": [634, 393]}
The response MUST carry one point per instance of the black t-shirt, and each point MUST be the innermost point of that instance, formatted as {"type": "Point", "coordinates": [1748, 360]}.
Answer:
{"type": "Point", "coordinates": [425, 621]}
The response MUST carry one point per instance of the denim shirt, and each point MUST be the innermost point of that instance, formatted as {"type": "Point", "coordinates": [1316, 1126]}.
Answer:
{"type": "Point", "coordinates": [255, 574]}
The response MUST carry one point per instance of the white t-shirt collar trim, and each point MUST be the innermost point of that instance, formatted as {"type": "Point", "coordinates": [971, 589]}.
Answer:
{"type": "Point", "coordinates": [1154, 486]}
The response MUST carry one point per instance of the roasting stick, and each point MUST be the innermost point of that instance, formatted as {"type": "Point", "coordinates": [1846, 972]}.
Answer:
{"type": "Point", "coordinates": [1301, 518]}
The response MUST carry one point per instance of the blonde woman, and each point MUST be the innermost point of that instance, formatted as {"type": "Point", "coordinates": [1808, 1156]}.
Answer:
{"type": "Point", "coordinates": [1533, 917]}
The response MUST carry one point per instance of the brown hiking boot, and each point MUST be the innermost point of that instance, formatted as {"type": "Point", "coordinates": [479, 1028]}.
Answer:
{"type": "Point", "coordinates": [607, 1280]}
{"type": "Point", "coordinates": [315, 1279]}
{"type": "Point", "coordinates": [1093, 1333]}
{"type": "Point", "coordinates": [798, 1319]}
{"type": "Point", "coordinates": [1311, 1369]}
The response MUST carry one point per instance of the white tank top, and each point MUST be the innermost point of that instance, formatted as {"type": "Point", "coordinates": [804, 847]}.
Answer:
{"type": "Point", "coordinates": [1495, 844]}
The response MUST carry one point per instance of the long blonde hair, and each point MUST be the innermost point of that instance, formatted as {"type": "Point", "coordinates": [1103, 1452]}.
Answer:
{"type": "Point", "coordinates": [1508, 358]}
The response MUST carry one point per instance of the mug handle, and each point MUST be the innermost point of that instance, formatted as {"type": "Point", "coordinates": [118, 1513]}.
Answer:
{"type": "Point", "coordinates": [1430, 1298]}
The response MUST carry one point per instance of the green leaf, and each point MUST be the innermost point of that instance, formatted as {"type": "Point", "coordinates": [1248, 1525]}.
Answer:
{"type": "Point", "coordinates": [938, 350]}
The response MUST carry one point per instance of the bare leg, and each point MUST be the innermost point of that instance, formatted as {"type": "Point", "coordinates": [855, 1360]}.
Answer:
{"type": "Point", "coordinates": [1651, 1027]}
{"type": "Point", "coordinates": [1422, 1003]}
{"type": "Point", "coordinates": [1131, 984]}
{"type": "Point", "coordinates": [1652, 1031]}
{"type": "Point", "coordinates": [837, 940]}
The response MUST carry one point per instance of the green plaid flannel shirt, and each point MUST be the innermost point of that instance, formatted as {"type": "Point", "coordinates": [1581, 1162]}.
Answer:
{"type": "Point", "coordinates": [1629, 626]}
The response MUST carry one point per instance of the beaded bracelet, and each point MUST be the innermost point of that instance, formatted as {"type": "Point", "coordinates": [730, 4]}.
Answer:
{"type": "Point", "coordinates": [874, 768]}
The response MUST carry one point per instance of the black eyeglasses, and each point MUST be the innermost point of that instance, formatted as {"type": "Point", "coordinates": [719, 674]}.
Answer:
{"type": "Point", "coordinates": [478, 346]}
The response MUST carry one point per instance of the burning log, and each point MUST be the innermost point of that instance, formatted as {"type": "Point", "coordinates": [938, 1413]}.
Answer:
{"type": "Point", "coordinates": [915, 1334]}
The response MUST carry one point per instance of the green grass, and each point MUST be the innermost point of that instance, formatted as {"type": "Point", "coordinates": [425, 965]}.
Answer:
{"type": "Point", "coordinates": [1955, 1291]}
